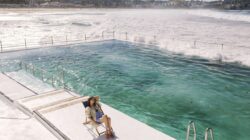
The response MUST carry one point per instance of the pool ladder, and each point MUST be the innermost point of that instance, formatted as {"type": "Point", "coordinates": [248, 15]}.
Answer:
{"type": "Point", "coordinates": [208, 132]}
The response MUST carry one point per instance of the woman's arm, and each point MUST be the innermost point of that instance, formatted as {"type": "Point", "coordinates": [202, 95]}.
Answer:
{"type": "Point", "coordinates": [98, 105]}
{"type": "Point", "coordinates": [88, 115]}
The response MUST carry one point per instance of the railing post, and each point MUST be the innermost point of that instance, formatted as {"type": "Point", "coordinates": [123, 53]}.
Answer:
{"type": "Point", "coordinates": [52, 41]}
{"type": "Point", "coordinates": [66, 39]}
{"type": "Point", "coordinates": [33, 70]}
{"type": "Point", "coordinates": [102, 34]}
{"type": "Point", "coordinates": [195, 44]}
{"type": "Point", "coordinates": [85, 37]}
{"type": "Point", "coordinates": [63, 82]}
{"type": "Point", "coordinates": [42, 75]}
{"type": "Point", "coordinates": [1, 46]}
{"type": "Point", "coordinates": [25, 42]}
{"type": "Point", "coordinates": [52, 81]}
{"type": "Point", "coordinates": [222, 45]}
{"type": "Point", "coordinates": [126, 35]}
{"type": "Point", "coordinates": [20, 65]}
{"type": "Point", "coordinates": [25, 66]}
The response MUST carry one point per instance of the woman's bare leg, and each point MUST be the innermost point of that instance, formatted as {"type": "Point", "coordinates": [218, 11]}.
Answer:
{"type": "Point", "coordinates": [107, 122]}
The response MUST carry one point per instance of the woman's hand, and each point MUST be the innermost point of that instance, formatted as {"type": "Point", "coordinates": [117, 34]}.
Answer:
{"type": "Point", "coordinates": [94, 122]}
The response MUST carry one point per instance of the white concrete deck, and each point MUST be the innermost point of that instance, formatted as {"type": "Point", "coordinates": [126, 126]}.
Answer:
{"type": "Point", "coordinates": [125, 127]}
{"type": "Point", "coordinates": [13, 89]}
{"type": "Point", "coordinates": [17, 126]}
{"type": "Point", "coordinates": [30, 81]}
{"type": "Point", "coordinates": [14, 124]}
{"type": "Point", "coordinates": [66, 113]}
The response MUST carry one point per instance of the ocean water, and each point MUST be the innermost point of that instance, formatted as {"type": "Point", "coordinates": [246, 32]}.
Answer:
{"type": "Point", "coordinates": [161, 89]}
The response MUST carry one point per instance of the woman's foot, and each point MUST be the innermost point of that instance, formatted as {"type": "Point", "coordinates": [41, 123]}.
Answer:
{"type": "Point", "coordinates": [107, 135]}
{"type": "Point", "coordinates": [110, 133]}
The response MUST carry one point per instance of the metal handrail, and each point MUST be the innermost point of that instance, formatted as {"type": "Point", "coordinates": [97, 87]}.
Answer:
{"type": "Point", "coordinates": [59, 77]}
{"type": "Point", "coordinates": [54, 78]}
{"type": "Point", "coordinates": [210, 131]}
{"type": "Point", "coordinates": [191, 124]}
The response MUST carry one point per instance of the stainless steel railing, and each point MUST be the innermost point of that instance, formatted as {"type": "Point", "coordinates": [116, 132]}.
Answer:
{"type": "Point", "coordinates": [56, 80]}
{"type": "Point", "coordinates": [39, 42]}
{"type": "Point", "coordinates": [44, 75]}
{"type": "Point", "coordinates": [210, 131]}
{"type": "Point", "coordinates": [191, 124]}
{"type": "Point", "coordinates": [51, 40]}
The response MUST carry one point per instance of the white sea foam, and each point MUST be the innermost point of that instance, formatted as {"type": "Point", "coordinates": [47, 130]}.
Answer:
{"type": "Point", "coordinates": [234, 15]}
{"type": "Point", "coordinates": [172, 30]}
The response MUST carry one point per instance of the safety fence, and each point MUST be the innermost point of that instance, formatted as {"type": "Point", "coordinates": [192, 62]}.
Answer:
{"type": "Point", "coordinates": [50, 41]}
{"type": "Point", "coordinates": [54, 40]}
{"type": "Point", "coordinates": [55, 80]}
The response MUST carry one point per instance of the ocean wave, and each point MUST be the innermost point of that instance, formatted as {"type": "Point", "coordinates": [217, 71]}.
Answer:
{"type": "Point", "coordinates": [233, 15]}
{"type": "Point", "coordinates": [81, 24]}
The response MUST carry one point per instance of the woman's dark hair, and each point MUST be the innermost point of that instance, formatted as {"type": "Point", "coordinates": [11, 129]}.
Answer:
{"type": "Point", "coordinates": [90, 98]}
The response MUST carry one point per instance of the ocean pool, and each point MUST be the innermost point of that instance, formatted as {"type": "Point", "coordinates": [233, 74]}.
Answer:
{"type": "Point", "coordinates": [161, 89]}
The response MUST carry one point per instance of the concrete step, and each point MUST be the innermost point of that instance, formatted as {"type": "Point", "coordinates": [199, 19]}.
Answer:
{"type": "Point", "coordinates": [65, 104]}
{"type": "Point", "coordinates": [46, 94]}
{"type": "Point", "coordinates": [30, 81]}
{"type": "Point", "coordinates": [45, 100]}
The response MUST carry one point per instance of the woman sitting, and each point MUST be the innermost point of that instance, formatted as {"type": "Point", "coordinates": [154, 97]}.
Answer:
{"type": "Point", "coordinates": [96, 116]}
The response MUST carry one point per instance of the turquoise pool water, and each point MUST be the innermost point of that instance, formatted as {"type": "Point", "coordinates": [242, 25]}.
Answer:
{"type": "Point", "coordinates": [161, 89]}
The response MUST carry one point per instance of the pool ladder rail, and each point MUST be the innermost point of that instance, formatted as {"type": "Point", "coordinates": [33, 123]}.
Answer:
{"type": "Point", "coordinates": [191, 124]}
{"type": "Point", "coordinates": [208, 132]}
